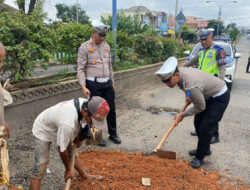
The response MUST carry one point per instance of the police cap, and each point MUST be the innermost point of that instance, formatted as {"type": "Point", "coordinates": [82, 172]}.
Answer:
{"type": "Point", "coordinates": [99, 27]}
{"type": "Point", "coordinates": [167, 69]}
{"type": "Point", "coordinates": [204, 33]}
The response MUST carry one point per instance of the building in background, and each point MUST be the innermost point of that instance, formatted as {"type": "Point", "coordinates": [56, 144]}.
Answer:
{"type": "Point", "coordinates": [163, 23]}
{"type": "Point", "coordinates": [158, 20]}
{"type": "Point", "coordinates": [196, 23]}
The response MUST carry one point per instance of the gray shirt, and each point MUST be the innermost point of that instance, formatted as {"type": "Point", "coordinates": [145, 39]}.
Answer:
{"type": "Point", "coordinates": [199, 86]}
{"type": "Point", "coordinates": [195, 60]}
{"type": "Point", "coordinates": [94, 61]}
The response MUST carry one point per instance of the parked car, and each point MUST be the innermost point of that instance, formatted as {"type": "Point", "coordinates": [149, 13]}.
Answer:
{"type": "Point", "coordinates": [231, 59]}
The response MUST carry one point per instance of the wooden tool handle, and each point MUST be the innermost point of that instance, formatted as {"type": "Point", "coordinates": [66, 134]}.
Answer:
{"type": "Point", "coordinates": [185, 106]}
{"type": "Point", "coordinates": [169, 130]}
{"type": "Point", "coordinates": [68, 182]}
{"type": "Point", "coordinates": [164, 137]}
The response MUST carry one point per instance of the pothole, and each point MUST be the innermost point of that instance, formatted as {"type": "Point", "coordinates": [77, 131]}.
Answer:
{"type": "Point", "coordinates": [163, 111]}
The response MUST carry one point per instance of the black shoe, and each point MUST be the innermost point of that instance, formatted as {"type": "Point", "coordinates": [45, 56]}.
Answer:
{"type": "Point", "coordinates": [115, 139]}
{"type": "Point", "coordinates": [193, 152]}
{"type": "Point", "coordinates": [214, 140]}
{"type": "Point", "coordinates": [193, 133]}
{"type": "Point", "coordinates": [196, 163]}
{"type": "Point", "coordinates": [103, 143]}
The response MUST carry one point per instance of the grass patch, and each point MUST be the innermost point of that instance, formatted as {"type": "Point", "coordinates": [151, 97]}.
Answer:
{"type": "Point", "coordinates": [120, 66]}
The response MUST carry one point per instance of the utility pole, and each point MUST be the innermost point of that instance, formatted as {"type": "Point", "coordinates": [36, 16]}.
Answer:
{"type": "Point", "coordinates": [114, 29]}
{"type": "Point", "coordinates": [77, 9]}
{"type": "Point", "coordinates": [218, 24]}
{"type": "Point", "coordinates": [176, 12]}
{"type": "Point", "coordinates": [219, 16]}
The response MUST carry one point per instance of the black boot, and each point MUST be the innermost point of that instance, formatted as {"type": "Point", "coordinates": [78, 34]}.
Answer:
{"type": "Point", "coordinates": [193, 133]}
{"type": "Point", "coordinates": [214, 139]}
{"type": "Point", "coordinates": [196, 163]}
{"type": "Point", "coordinates": [193, 152]}
{"type": "Point", "coordinates": [115, 139]}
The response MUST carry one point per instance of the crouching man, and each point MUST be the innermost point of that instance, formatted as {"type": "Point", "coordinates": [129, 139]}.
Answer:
{"type": "Point", "coordinates": [209, 96]}
{"type": "Point", "coordinates": [66, 123]}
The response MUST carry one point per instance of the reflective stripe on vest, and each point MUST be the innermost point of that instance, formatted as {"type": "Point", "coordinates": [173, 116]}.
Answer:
{"type": "Point", "coordinates": [207, 62]}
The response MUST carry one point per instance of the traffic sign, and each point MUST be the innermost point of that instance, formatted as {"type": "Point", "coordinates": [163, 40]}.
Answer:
{"type": "Point", "coordinates": [163, 26]}
{"type": "Point", "coordinates": [180, 18]}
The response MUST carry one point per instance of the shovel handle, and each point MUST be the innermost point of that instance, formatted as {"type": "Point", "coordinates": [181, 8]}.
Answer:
{"type": "Point", "coordinates": [164, 137]}
{"type": "Point", "coordinates": [169, 130]}
{"type": "Point", "coordinates": [185, 106]}
{"type": "Point", "coordinates": [68, 182]}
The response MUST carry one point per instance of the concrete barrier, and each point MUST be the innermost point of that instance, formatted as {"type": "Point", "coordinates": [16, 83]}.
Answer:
{"type": "Point", "coordinates": [28, 103]}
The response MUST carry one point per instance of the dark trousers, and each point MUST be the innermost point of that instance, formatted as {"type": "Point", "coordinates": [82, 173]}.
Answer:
{"type": "Point", "coordinates": [207, 121]}
{"type": "Point", "coordinates": [248, 64]}
{"type": "Point", "coordinates": [106, 91]}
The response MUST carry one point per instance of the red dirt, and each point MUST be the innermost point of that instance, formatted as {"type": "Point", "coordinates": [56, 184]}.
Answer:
{"type": "Point", "coordinates": [125, 171]}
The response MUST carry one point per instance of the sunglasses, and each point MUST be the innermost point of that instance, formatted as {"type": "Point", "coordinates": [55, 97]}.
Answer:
{"type": "Point", "coordinates": [102, 35]}
{"type": "Point", "coordinates": [167, 80]}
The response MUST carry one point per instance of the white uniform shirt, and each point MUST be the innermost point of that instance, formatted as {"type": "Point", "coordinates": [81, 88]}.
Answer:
{"type": "Point", "coordinates": [58, 123]}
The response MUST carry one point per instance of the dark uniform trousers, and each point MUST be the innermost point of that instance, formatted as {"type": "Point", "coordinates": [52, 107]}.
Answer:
{"type": "Point", "coordinates": [248, 64]}
{"type": "Point", "coordinates": [207, 122]}
{"type": "Point", "coordinates": [106, 91]}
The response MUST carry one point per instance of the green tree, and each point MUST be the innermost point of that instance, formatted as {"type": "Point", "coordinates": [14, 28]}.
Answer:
{"type": "Point", "coordinates": [27, 41]}
{"type": "Point", "coordinates": [128, 24]}
{"type": "Point", "coordinates": [213, 24]}
{"type": "Point", "coordinates": [69, 37]}
{"type": "Point", "coordinates": [69, 14]}
{"type": "Point", "coordinates": [231, 25]}
{"type": "Point", "coordinates": [233, 31]}
{"type": "Point", "coordinates": [188, 34]}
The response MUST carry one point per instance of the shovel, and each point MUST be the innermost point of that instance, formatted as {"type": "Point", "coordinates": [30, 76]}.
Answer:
{"type": "Point", "coordinates": [72, 161]}
{"type": "Point", "coordinates": [164, 153]}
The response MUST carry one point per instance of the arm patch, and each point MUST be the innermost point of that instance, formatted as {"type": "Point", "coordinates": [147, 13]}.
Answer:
{"type": "Point", "coordinates": [221, 56]}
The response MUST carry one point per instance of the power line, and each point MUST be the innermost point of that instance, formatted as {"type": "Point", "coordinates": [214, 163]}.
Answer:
{"type": "Point", "coordinates": [237, 18]}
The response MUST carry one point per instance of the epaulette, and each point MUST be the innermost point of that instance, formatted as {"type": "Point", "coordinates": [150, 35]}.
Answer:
{"type": "Point", "coordinates": [216, 47]}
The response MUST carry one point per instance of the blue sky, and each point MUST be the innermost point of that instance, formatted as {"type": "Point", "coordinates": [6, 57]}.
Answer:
{"type": "Point", "coordinates": [238, 13]}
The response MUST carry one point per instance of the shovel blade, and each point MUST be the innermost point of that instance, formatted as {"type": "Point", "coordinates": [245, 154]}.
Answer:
{"type": "Point", "coordinates": [166, 154]}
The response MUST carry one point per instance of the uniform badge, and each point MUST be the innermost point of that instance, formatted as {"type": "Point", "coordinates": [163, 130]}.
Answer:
{"type": "Point", "coordinates": [91, 49]}
{"type": "Point", "coordinates": [105, 48]}
{"type": "Point", "coordinates": [93, 61]}
{"type": "Point", "coordinates": [189, 94]}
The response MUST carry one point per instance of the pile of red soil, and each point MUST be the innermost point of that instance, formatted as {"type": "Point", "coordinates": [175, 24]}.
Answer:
{"type": "Point", "coordinates": [125, 171]}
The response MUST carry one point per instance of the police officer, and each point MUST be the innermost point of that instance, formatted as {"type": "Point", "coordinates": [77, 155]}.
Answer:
{"type": "Point", "coordinates": [211, 59]}
{"type": "Point", "coordinates": [248, 65]}
{"type": "Point", "coordinates": [209, 96]}
{"type": "Point", "coordinates": [95, 73]}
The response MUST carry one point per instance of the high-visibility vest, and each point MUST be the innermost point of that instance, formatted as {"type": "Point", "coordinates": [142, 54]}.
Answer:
{"type": "Point", "coordinates": [208, 62]}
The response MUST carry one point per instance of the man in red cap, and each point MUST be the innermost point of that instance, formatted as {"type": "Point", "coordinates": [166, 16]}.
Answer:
{"type": "Point", "coordinates": [66, 123]}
